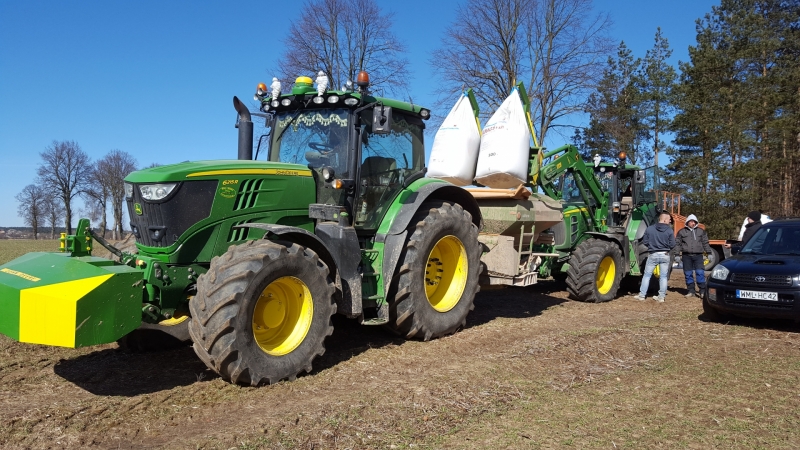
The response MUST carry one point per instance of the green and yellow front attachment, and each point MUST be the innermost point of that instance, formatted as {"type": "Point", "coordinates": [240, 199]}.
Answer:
{"type": "Point", "coordinates": [69, 298]}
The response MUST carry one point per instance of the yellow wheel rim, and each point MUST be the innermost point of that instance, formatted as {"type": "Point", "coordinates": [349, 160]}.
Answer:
{"type": "Point", "coordinates": [282, 316]}
{"type": "Point", "coordinates": [606, 273]}
{"type": "Point", "coordinates": [446, 273]}
{"type": "Point", "coordinates": [178, 318]}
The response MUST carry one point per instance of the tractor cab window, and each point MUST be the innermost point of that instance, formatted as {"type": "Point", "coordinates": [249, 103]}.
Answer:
{"type": "Point", "coordinates": [315, 138]}
{"type": "Point", "coordinates": [570, 191]}
{"type": "Point", "coordinates": [387, 161]}
{"type": "Point", "coordinates": [605, 177]}
{"type": "Point", "coordinates": [647, 192]}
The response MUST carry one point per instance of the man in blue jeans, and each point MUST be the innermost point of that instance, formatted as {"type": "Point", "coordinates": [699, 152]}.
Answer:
{"type": "Point", "coordinates": [693, 243]}
{"type": "Point", "coordinates": [659, 240]}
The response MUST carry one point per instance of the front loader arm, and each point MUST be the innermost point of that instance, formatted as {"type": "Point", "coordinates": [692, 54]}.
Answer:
{"type": "Point", "coordinates": [567, 158]}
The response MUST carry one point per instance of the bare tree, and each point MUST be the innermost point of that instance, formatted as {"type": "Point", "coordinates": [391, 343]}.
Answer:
{"type": "Point", "coordinates": [31, 206]}
{"type": "Point", "coordinates": [65, 169]}
{"type": "Point", "coordinates": [110, 171]}
{"type": "Point", "coordinates": [557, 47]}
{"type": "Point", "coordinates": [341, 38]}
{"type": "Point", "coordinates": [53, 212]}
{"type": "Point", "coordinates": [96, 196]}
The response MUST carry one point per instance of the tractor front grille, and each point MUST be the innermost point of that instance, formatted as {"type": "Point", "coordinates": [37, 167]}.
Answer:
{"type": "Point", "coordinates": [161, 223]}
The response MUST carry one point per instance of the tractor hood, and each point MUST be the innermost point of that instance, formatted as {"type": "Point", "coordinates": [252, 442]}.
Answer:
{"type": "Point", "coordinates": [215, 169]}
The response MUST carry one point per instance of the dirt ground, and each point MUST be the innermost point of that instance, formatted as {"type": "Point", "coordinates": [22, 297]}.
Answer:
{"type": "Point", "coordinates": [531, 370]}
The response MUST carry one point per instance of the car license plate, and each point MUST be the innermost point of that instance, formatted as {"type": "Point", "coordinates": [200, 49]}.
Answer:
{"type": "Point", "coordinates": [757, 295]}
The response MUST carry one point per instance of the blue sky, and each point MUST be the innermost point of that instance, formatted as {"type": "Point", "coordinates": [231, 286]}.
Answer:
{"type": "Point", "coordinates": [156, 78]}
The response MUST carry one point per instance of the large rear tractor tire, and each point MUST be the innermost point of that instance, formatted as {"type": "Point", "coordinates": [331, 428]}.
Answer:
{"type": "Point", "coordinates": [595, 270]}
{"type": "Point", "coordinates": [262, 312]}
{"type": "Point", "coordinates": [438, 273]}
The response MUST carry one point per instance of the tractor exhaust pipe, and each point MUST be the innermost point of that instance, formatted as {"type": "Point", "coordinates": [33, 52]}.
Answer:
{"type": "Point", "coordinates": [245, 126]}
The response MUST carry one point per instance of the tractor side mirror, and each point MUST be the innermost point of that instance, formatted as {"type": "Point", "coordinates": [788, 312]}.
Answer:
{"type": "Point", "coordinates": [639, 177]}
{"type": "Point", "coordinates": [382, 119]}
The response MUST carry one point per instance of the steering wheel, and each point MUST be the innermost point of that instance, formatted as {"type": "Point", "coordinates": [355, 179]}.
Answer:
{"type": "Point", "coordinates": [320, 147]}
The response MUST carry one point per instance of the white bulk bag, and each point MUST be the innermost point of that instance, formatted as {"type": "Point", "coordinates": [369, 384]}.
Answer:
{"type": "Point", "coordinates": [455, 146]}
{"type": "Point", "coordinates": [505, 146]}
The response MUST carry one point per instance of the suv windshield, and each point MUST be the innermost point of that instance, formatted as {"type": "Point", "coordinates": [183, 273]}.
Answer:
{"type": "Point", "coordinates": [774, 240]}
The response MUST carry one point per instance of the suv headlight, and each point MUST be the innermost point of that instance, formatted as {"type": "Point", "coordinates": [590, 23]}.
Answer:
{"type": "Point", "coordinates": [156, 191]}
{"type": "Point", "coordinates": [128, 190]}
{"type": "Point", "coordinates": [720, 273]}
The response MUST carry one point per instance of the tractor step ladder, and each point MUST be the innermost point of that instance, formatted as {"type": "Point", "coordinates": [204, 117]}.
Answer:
{"type": "Point", "coordinates": [370, 279]}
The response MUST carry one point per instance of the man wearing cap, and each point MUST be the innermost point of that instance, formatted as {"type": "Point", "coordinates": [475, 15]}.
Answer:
{"type": "Point", "coordinates": [693, 242]}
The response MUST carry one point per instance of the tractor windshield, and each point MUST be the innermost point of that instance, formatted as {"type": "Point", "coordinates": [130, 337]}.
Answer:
{"type": "Point", "coordinates": [314, 138]}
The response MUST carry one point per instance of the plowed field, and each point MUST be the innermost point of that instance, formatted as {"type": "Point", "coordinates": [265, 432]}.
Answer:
{"type": "Point", "coordinates": [531, 370]}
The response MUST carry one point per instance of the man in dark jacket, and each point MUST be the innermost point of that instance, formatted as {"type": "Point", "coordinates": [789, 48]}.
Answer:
{"type": "Point", "coordinates": [659, 240]}
{"type": "Point", "coordinates": [753, 224]}
{"type": "Point", "coordinates": [693, 242]}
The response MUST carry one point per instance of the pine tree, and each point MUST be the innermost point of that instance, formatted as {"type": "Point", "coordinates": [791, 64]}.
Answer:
{"type": "Point", "coordinates": [615, 123]}
{"type": "Point", "coordinates": [657, 83]}
{"type": "Point", "coordinates": [738, 123]}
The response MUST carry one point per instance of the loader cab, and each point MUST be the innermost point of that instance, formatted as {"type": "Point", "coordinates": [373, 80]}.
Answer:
{"type": "Point", "coordinates": [627, 186]}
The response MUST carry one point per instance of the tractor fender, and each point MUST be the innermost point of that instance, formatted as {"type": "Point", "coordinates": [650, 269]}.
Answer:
{"type": "Point", "coordinates": [393, 230]}
{"type": "Point", "coordinates": [621, 241]}
{"type": "Point", "coordinates": [337, 247]}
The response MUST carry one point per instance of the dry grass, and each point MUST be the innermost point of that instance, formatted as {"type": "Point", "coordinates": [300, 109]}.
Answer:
{"type": "Point", "coordinates": [13, 248]}
{"type": "Point", "coordinates": [531, 370]}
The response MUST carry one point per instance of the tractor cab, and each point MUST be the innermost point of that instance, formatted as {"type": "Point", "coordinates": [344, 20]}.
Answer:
{"type": "Point", "coordinates": [628, 187]}
{"type": "Point", "coordinates": [362, 150]}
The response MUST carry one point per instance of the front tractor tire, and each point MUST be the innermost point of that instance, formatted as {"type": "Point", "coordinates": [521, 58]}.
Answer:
{"type": "Point", "coordinates": [438, 273]}
{"type": "Point", "coordinates": [262, 312]}
{"type": "Point", "coordinates": [594, 271]}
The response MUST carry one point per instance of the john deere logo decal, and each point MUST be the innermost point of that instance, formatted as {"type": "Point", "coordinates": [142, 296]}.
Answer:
{"type": "Point", "coordinates": [137, 208]}
{"type": "Point", "coordinates": [227, 192]}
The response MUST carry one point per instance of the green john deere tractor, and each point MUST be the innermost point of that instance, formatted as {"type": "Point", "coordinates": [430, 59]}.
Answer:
{"type": "Point", "coordinates": [607, 208]}
{"type": "Point", "coordinates": [250, 259]}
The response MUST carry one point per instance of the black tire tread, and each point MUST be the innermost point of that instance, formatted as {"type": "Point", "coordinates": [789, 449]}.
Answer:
{"type": "Point", "coordinates": [218, 302]}
{"type": "Point", "coordinates": [583, 264]}
{"type": "Point", "coordinates": [404, 318]}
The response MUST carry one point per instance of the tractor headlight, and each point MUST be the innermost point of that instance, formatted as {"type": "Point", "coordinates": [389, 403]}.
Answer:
{"type": "Point", "coordinates": [720, 273]}
{"type": "Point", "coordinates": [156, 191]}
{"type": "Point", "coordinates": [128, 190]}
